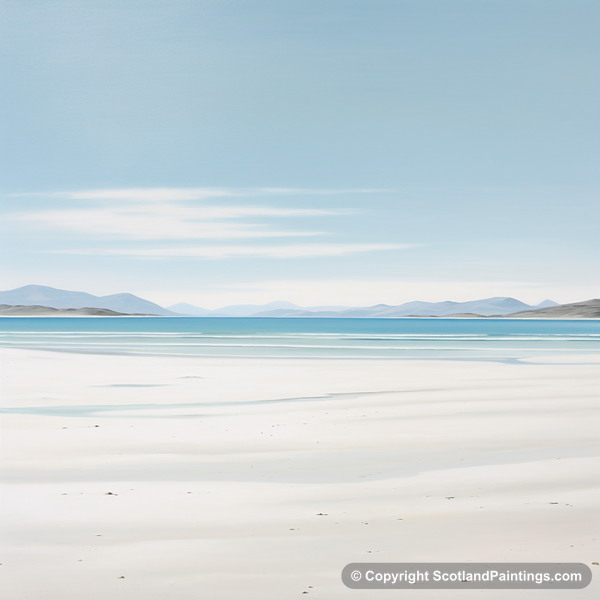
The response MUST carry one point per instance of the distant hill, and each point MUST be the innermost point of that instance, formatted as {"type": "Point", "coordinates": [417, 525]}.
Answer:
{"type": "Point", "coordinates": [589, 309]}
{"type": "Point", "coordinates": [279, 308]}
{"type": "Point", "coordinates": [42, 295]}
{"type": "Point", "coordinates": [49, 299]}
{"type": "Point", "coordinates": [498, 306]}
{"type": "Point", "coordinates": [546, 304]}
{"type": "Point", "coordinates": [489, 306]}
{"type": "Point", "coordinates": [183, 308]}
{"type": "Point", "coordinates": [246, 310]}
{"type": "Point", "coordinates": [33, 310]}
{"type": "Point", "coordinates": [235, 310]}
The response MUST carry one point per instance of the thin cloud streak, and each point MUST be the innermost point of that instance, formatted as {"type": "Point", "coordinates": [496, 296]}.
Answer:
{"type": "Point", "coordinates": [219, 252]}
{"type": "Point", "coordinates": [118, 216]}
{"type": "Point", "coordinates": [182, 194]}
{"type": "Point", "coordinates": [321, 192]}
{"type": "Point", "coordinates": [149, 221]}
{"type": "Point", "coordinates": [149, 194]}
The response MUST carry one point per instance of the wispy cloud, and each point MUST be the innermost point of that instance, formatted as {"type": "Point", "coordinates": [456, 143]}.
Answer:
{"type": "Point", "coordinates": [222, 251]}
{"type": "Point", "coordinates": [178, 194]}
{"type": "Point", "coordinates": [318, 192]}
{"type": "Point", "coordinates": [167, 222]}
{"type": "Point", "coordinates": [149, 194]}
{"type": "Point", "coordinates": [166, 214]}
{"type": "Point", "coordinates": [122, 219]}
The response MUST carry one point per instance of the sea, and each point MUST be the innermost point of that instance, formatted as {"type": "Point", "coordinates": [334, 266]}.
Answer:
{"type": "Point", "coordinates": [308, 338]}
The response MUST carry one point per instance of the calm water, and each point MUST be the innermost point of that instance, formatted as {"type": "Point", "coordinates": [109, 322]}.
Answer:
{"type": "Point", "coordinates": [470, 339]}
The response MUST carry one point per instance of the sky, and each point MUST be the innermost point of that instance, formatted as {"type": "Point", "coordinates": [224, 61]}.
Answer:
{"type": "Point", "coordinates": [348, 152]}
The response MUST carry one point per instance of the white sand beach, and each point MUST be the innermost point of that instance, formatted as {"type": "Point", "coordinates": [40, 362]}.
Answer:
{"type": "Point", "coordinates": [278, 473]}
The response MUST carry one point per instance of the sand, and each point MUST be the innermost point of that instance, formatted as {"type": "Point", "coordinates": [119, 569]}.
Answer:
{"type": "Point", "coordinates": [262, 479]}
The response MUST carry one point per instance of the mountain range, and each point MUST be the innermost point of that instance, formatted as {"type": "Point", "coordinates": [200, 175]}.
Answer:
{"type": "Point", "coordinates": [253, 310]}
{"type": "Point", "coordinates": [486, 307]}
{"type": "Point", "coordinates": [38, 295]}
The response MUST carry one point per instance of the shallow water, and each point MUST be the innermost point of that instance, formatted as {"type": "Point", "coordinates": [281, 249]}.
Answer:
{"type": "Point", "coordinates": [457, 339]}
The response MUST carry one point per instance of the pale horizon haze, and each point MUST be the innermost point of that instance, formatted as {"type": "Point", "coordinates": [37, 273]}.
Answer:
{"type": "Point", "coordinates": [326, 152]}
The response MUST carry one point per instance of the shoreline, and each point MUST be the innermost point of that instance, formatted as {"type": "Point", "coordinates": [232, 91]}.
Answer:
{"type": "Point", "coordinates": [433, 318]}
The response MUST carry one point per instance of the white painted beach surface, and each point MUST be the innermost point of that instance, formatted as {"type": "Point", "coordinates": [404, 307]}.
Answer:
{"type": "Point", "coordinates": [232, 497]}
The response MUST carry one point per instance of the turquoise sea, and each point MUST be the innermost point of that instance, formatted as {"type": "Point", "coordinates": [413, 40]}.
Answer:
{"type": "Point", "coordinates": [464, 339]}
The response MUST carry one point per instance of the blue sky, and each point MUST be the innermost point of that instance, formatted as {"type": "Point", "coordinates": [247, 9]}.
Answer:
{"type": "Point", "coordinates": [317, 151]}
